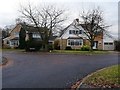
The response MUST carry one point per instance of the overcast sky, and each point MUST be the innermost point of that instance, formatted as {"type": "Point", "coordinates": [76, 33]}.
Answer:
{"type": "Point", "coordinates": [9, 10]}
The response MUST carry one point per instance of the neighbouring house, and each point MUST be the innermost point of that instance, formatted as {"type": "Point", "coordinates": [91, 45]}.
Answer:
{"type": "Point", "coordinates": [26, 32]}
{"type": "Point", "coordinates": [108, 42]}
{"type": "Point", "coordinates": [76, 38]}
{"type": "Point", "coordinates": [13, 39]}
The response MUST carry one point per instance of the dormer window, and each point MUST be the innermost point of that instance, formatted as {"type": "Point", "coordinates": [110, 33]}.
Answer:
{"type": "Point", "coordinates": [16, 34]}
{"type": "Point", "coordinates": [75, 31]}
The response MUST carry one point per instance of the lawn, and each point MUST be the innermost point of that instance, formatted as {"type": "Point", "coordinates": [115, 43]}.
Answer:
{"type": "Point", "coordinates": [106, 78]}
{"type": "Point", "coordinates": [12, 49]}
{"type": "Point", "coordinates": [79, 52]}
{"type": "Point", "coordinates": [65, 51]}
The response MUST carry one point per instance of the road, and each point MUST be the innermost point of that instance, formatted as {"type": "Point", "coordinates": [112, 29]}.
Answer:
{"type": "Point", "coordinates": [42, 70]}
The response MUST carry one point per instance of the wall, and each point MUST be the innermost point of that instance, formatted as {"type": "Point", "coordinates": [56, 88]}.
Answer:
{"type": "Point", "coordinates": [63, 44]}
{"type": "Point", "coordinates": [100, 41]}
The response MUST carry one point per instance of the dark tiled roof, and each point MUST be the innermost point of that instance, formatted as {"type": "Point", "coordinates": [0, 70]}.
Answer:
{"type": "Point", "coordinates": [32, 29]}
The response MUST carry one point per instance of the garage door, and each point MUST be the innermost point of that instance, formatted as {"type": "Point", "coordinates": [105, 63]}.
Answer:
{"type": "Point", "coordinates": [108, 46]}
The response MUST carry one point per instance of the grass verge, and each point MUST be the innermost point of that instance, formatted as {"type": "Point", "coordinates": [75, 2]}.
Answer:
{"type": "Point", "coordinates": [12, 50]}
{"type": "Point", "coordinates": [79, 52]}
{"type": "Point", "coordinates": [106, 78]}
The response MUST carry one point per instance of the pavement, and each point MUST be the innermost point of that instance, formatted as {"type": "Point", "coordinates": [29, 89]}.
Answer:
{"type": "Point", "coordinates": [42, 70]}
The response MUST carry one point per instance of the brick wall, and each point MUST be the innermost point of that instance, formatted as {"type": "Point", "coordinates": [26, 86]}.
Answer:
{"type": "Point", "coordinates": [100, 42]}
{"type": "Point", "coordinates": [63, 44]}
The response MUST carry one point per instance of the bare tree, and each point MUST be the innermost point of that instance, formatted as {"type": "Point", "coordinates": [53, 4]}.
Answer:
{"type": "Point", "coordinates": [93, 23]}
{"type": "Point", "coordinates": [47, 17]}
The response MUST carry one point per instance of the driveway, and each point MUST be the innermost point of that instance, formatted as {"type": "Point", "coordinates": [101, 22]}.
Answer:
{"type": "Point", "coordinates": [43, 70]}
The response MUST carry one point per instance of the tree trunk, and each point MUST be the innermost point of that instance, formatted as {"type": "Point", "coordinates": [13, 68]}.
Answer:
{"type": "Point", "coordinates": [46, 48]}
{"type": "Point", "coordinates": [91, 42]}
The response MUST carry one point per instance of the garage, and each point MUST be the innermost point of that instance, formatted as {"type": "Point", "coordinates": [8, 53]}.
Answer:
{"type": "Point", "coordinates": [108, 46]}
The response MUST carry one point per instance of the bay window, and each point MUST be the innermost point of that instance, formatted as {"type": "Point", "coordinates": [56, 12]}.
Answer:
{"type": "Point", "coordinates": [75, 42]}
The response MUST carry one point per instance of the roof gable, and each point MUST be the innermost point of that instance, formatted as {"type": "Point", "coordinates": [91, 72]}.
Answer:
{"type": "Point", "coordinates": [30, 29]}
{"type": "Point", "coordinates": [17, 28]}
{"type": "Point", "coordinates": [71, 27]}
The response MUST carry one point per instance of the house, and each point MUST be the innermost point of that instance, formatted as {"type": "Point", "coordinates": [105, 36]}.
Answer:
{"type": "Point", "coordinates": [13, 39]}
{"type": "Point", "coordinates": [26, 32]}
{"type": "Point", "coordinates": [76, 38]}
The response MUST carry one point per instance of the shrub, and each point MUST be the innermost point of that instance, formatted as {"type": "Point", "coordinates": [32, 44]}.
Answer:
{"type": "Point", "coordinates": [56, 45]}
{"type": "Point", "coordinates": [33, 46]}
{"type": "Point", "coordinates": [68, 48]}
{"type": "Point", "coordinates": [6, 46]}
{"type": "Point", "coordinates": [85, 48]}
{"type": "Point", "coordinates": [50, 47]}
{"type": "Point", "coordinates": [16, 47]}
{"type": "Point", "coordinates": [117, 45]}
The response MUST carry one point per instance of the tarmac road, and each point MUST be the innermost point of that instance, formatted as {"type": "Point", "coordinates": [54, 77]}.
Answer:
{"type": "Point", "coordinates": [43, 70]}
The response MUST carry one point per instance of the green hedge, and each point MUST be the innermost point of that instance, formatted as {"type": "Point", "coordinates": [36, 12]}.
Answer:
{"type": "Point", "coordinates": [33, 44]}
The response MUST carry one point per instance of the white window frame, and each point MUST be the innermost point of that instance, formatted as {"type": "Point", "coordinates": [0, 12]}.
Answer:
{"type": "Point", "coordinates": [74, 40]}
{"type": "Point", "coordinates": [75, 32]}
{"type": "Point", "coordinates": [16, 34]}
{"type": "Point", "coordinates": [36, 35]}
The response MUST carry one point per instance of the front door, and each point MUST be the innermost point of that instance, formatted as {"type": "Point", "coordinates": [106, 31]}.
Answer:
{"type": "Point", "coordinates": [95, 45]}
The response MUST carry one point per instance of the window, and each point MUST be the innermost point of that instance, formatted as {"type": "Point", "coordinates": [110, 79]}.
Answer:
{"type": "Point", "coordinates": [110, 43]}
{"type": "Point", "coordinates": [35, 35]}
{"type": "Point", "coordinates": [80, 31]}
{"type": "Point", "coordinates": [12, 43]}
{"type": "Point", "coordinates": [105, 43]}
{"type": "Point", "coordinates": [68, 42]}
{"type": "Point", "coordinates": [75, 42]}
{"type": "Point", "coordinates": [72, 43]}
{"type": "Point", "coordinates": [16, 34]}
{"type": "Point", "coordinates": [75, 31]}
{"type": "Point", "coordinates": [70, 31]}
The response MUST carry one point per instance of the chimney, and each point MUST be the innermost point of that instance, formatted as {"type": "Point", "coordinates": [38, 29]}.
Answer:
{"type": "Point", "coordinates": [76, 22]}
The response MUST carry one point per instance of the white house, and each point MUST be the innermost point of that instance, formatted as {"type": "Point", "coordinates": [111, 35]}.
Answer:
{"type": "Point", "coordinates": [73, 35]}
